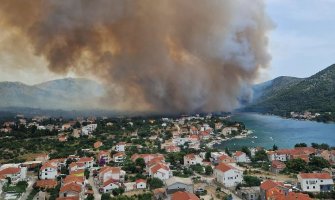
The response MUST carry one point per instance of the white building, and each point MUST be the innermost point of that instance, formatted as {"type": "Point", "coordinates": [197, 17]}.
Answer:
{"type": "Point", "coordinates": [109, 185]}
{"type": "Point", "coordinates": [115, 173]}
{"type": "Point", "coordinates": [161, 171]}
{"type": "Point", "coordinates": [119, 157]}
{"type": "Point", "coordinates": [141, 184]}
{"type": "Point", "coordinates": [240, 156]}
{"type": "Point", "coordinates": [15, 173]}
{"type": "Point", "coordinates": [48, 171]}
{"type": "Point", "coordinates": [192, 159]}
{"type": "Point", "coordinates": [86, 130]}
{"type": "Point", "coordinates": [87, 161]}
{"type": "Point", "coordinates": [120, 147]}
{"type": "Point", "coordinates": [228, 175]}
{"type": "Point", "coordinates": [315, 182]}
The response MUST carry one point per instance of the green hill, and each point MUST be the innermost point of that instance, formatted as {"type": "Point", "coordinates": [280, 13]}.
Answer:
{"type": "Point", "coordinates": [315, 94]}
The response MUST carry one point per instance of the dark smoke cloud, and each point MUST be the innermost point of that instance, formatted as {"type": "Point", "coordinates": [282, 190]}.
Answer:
{"type": "Point", "coordinates": [166, 56]}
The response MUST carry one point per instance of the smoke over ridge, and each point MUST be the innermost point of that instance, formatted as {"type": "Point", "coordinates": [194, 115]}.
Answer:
{"type": "Point", "coordinates": [166, 56]}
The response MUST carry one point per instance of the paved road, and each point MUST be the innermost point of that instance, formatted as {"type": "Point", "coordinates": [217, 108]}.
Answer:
{"type": "Point", "coordinates": [31, 182]}
{"type": "Point", "coordinates": [97, 195]}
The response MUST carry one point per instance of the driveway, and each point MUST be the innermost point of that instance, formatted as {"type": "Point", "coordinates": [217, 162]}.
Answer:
{"type": "Point", "coordinates": [97, 194]}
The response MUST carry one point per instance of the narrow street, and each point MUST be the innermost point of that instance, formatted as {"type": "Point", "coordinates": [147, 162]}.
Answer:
{"type": "Point", "coordinates": [97, 195]}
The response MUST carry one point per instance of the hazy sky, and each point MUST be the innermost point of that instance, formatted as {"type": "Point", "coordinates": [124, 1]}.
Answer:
{"type": "Point", "coordinates": [301, 44]}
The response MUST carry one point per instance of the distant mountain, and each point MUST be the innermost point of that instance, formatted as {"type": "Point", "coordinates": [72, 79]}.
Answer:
{"type": "Point", "coordinates": [69, 93]}
{"type": "Point", "coordinates": [285, 94]}
{"type": "Point", "coordinates": [270, 88]}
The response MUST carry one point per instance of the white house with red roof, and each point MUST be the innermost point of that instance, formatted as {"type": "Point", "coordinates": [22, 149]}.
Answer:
{"type": "Point", "coordinates": [141, 184]}
{"type": "Point", "coordinates": [75, 166]}
{"type": "Point", "coordinates": [119, 157]}
{"type": "Point", "coordinates": [72, 190]}
{"type": "Point", "coordinates": [48, 171]}
{"type": "Point", "coordinates": [192, 159]}
{"type": "Point", "coordinates": [315, 182]}
{"type": "Point", "coordinates": [228, 175]}
{"type": "Point", "coordinates": [240, 156]}
{"type": "Point", "coordinates": [103, 155]}
{"type": "Point", "coordinates": [109, 185]}
{"type": "Point", "coordinates": [115, 173]}
{"type": "Point", "coordinates": [160, 170]}
{"type": "Point", "coordinates": [87, 161]}
{"type": "Point", "coordinates": [15, 173]}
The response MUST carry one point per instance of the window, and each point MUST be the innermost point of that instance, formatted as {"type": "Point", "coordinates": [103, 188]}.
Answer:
{"type": "Point", "coordinates": [45, 173]}
{"type": "Point", "coordinates": [307, 187]}
{"type": "Point", "coordinates": [313, 187]}
{"type": "Point", "coordinates": [321, 181]}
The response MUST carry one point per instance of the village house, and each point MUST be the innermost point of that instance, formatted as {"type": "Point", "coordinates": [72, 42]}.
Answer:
{"type": "Point", "coordinates": [228, 175]}
{"type": "Point", "coordinates": [88, 129]}
{"type": "Point", "coordinates": [172, 148]}
{"type": "Point", "coordinates": [270, 188]}
{"type": "Point", "coordinates": [175, 184]}
{"type": "Point", "coordinates": [109, 185]}
{"type": "Point", "coordinates": [160, 170]}
{"type": "Point", "coordinates": [80, 180]}
{"type": "Point", "coordinates": [103, 157]}
{"type": "Point", "coordinates": [97, 144]}
{"type": "Point", "coordinates": [141, 184]}
{"type": "Point", "coordinates": [184, 196]}
{"type": "Point", "coordinates": [71, 190]}
{"type": "Point", "coordinates": [240, 156]}
{"type": "Point", "coordinates": [13, 171]}
{"type": "Point", "coordinates": [107, 173]}
{"type": "Point", "coordinates": [192, 159]}
{"type": "Point", "coordinates": [315, 182]}
{"type": "Point", "coordinates": [119, 157]}
{"type": "Point", "coordinates": [120, 147]}
{"type": "Point", "coordinates": [87, 161]}
{"type": "Point", "coordinates": [48, 171]}
{"type": "Point", "coordinates": [46, 184]}
{"type": "Point", "coordinates": [249, 193]}
{"type": "Point", "coordinates": [225, 159]}
{"type": "Point", "coordinates": [277, 166]}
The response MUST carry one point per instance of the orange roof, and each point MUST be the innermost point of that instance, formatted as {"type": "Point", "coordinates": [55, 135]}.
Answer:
{"type": "Point", "coordinates": [73, 178]}
{"type": "Point", "coordinates": [10, 170]}
{"type": "Point", "coordinates": [224, 167]}
{"type": "Point", "coordinates": [184, 196]}
{"type": "Point", "coordinates": [277, 164]}
{"type": "Point", "coordinates": [97, 144]}
{"type": "Point", "coordinates": [48, 183]}
{"type": "Point", "coordinates": [110, 181]}
{"type": "Point", "coordinates": [269, 184]}
{"type": "Point", "coordinates": [239, 153]}
{"type": "Point", "coordinates": [85, 159]}
{"type": "Point", "coordinates": [190, 156]}
{"type": "Point", "coordinates": [71, 187]}
{"type": "Point", "coordinates": [226, 157]}
{"type": "Point", "coordinates": [78, 171]}
{"type": "Point", "coordinates": [297, 196]}
{"type": "Point", "coordinates": [159, 166]}
{"type": "Point", "coordinates": [106, 169]}
{"type": "Point", "coordinates": [48, 165]}
{"type": "Point", "coordinates": [315, 176]}
{"type": "Point", "coordinates": [141, 181]}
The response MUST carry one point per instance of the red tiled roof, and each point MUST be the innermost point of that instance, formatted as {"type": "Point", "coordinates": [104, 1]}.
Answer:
{"type": "Point", "coordinates": [141, 181]}
{"type": "Point", "coordinates": [159, 166]}
{"type": "Point", "coordinates": [10, 170]}
{"type": "Point", "coordinates": [119, 154]}
{"type": "Point", "coordinates": [48, 165]}
{"type": "Point", "coordinates": [190, 156]}
{"type": "Point", "coordinates": [239, 153]}
{"type": "Point", "coordinates": [184, 196]}
{"type": "Point", "coordinates": [73, 178]}
{"type": "Point", "coordinates": [315, 176]}
{"type": "Point", "coordinates": [109, 182]}
{"type": "Point", "coordinates": [224, 167]}
{"type": "Point", "coordinates": [85, 159]}
{"type": "Point", "coordinates": [269, 184]}
{"type": "Point", "coordinates": [71, 187]}
{"type": "Point", "coordinates": [278, 164]}
{"type": "Point", "coordinates": [48, 183]}
{"type": "Point", "coordinates": [297, 196]}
